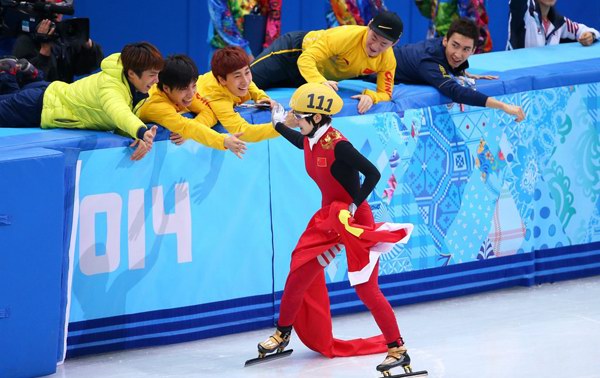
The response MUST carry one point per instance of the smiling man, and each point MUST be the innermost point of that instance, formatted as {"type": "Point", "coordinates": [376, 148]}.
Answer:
{"type": "Point", "coordinates": [441, 63]}
{"type": "Point", "coordinates": [108, 100]}
{"type": "Point", "coordinates": [176, 94]}
{"type": "Point", "coordinates": [326, 56]}
{"type": "Point", "coordinates": [229, 84]}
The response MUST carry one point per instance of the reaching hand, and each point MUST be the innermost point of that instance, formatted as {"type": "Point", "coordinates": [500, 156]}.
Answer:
{"type": "Point", "coordinates": [150, 134]}
{"type": "Point", "coordinates": [176, 139]}
{"type": "Point", "coordinates": [479, 77]}
{"type": "Point", "coordinates": [515, 110]}
{"type": "Point", "coordinates": [235, 145]}
{"type": "Point", "coordinates": [586, 38]}
{"type": "Point", "coordinates": [143, 146]}
{"type": "Point", "coordinates": [365, 102]}
{"type": "Point", "coordinates": [332, 84]}
{"type": "Point", "coordinates": [278, 114]}
{"type": "Point", "coordinates": [271, 103]}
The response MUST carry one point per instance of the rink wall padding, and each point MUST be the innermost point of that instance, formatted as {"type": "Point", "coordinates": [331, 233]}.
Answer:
{"type": "Point", "coordinates": [192, 242]}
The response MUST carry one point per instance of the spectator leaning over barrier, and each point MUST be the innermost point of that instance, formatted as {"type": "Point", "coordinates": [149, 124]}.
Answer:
{"type": "Point", "coordinates": [59, 57]}
{"type": "Point", "coordinates": [534, 23]}
{"type": "Point", "coordinates": [107, 100]}
{"type": "Point", "coordinates": [229, 84]}
{"type": "Point", "coordinates": [441, 63]}
{"type": "Point", "coordinates": [326, 56]}
{"type": "Point", "coordinates": [174, 95]}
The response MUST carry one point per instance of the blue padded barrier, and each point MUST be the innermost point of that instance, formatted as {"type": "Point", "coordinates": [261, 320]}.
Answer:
{"type": "Point", "coordinates": [268, 196]}
{"type": "Point", "coordinates": [31, 261]}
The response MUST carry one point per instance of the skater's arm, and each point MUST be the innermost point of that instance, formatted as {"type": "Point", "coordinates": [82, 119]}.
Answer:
{"type": "Point", "coordinates": [344, 151]}
{"type": "Point", "coordinates": [293, 136]}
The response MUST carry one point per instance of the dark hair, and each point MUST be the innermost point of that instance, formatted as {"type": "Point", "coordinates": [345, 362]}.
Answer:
{"type": "Point", "coordinates": [179, 71]}
{"type": "Point", "coordinates": [227, 60]}
{"type": "Point", "coordinates": [325, 119]}
{"type": "Point", "coordinates": [465, 27]}
{"type": "Point", "coordinates": [140, 57]}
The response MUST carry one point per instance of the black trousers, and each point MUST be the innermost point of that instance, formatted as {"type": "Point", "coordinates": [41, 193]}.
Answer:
{"type": "Point", "coordinates": [277, 65]}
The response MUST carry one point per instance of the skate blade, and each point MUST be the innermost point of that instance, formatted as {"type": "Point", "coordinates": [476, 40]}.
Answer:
{"type": "Point", "coordinates": [268, 357]}
{"type": "Point", "coordinates": [422, 373]}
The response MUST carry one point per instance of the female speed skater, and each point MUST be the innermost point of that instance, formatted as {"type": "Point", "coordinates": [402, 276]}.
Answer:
{"type": "Point", "coordinates": [345, 218]}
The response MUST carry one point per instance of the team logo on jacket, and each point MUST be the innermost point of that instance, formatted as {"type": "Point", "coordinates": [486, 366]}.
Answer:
{"type": "Point", "coordinates": [321, 162]}
{"type": "Point", "coordinates": [368, 71]}
{"type": "Point", "coordinates": [328, 140]}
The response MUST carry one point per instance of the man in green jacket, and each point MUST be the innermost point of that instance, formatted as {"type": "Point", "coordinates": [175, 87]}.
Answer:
{"type": "Point", "coordinates": [108, 100]}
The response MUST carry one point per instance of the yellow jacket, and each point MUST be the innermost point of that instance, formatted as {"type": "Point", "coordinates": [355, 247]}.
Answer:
{"type": "Point", "coordinates": [339, 53]}
{"type": "Point", "coordinates": [222, 101]}
{"type": "Point", "coordinates": [102, 101]}
{"type": "Point", "coordinates": [160, 109]}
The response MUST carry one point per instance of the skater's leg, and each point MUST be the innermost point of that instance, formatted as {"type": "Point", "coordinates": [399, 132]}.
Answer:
{"type": "Point", "coordinates": [297, 283]}
{"type": "Point", "coordinates": [370, 294]}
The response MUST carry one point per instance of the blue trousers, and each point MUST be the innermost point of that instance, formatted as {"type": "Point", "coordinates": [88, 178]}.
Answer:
{"type": "Point", "coordinates": [20, 107]}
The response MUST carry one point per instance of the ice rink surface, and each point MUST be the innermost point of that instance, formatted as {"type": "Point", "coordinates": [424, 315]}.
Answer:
{"type": "Point", "coordinates": [552, 330]}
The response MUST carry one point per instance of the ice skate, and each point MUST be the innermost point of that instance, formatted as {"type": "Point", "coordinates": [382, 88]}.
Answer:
{"type": "Point", "coordinates": [275, 343]}
{"type": "Point", "coordinates": [397, 356]}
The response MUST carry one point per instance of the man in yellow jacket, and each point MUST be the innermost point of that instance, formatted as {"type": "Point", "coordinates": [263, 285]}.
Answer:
{"type": "Point", "coordinates": [229, 84]}
{"type": "Point", "coordinates": [176, 94]}
{"type": "Point", "coordinates": [107, 100]}
{"type": "Point", "coordinates": [326, 56]}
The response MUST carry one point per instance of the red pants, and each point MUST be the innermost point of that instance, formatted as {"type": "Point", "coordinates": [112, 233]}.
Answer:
{"type": "Point", "coordinates": [369, 293]}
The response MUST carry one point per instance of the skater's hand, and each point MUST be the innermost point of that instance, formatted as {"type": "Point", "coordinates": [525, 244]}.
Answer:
{"type": "Point", "coordinates": [515, 110]}
{"type": "Point", "coordinates": [364, 102]}
{"type": "Point", "coordinates": [176, 139]}
{"type": "Point", "coordinates": [235, 145]}
{"type": "Point", "coordinates": [331, 84]}
{"type": "Point", "coordinates": [278, 114]}
{"type": "Point", "coordinates": [352, 208]}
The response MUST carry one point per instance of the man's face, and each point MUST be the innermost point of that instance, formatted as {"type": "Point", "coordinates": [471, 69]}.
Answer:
{"type": "Point", "coordinates": [376, 44]}
{"type": "Point", "coordinates": [458, 49]}
{"type": "Point", "coordinates": [145, 82]}
{"type": "Point", "coordinates": [548, 3]}
{"type": "Point", "coordinates": [182, 97]}
{"type": "Point", "coordinates": [237, 82]}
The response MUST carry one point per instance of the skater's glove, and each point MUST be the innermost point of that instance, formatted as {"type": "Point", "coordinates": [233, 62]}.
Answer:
{"type": "Point", "coordinates": [352, 208]}
{"type": "Point", "coordinates": [278, 114]}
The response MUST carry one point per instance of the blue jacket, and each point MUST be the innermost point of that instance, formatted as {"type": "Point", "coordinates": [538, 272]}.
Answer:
{"type": "Point", "coordinates": [425, 63]}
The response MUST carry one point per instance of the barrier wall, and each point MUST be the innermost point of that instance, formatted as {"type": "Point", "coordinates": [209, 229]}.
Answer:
{"type": "Point", "coordinates": [191, 243]}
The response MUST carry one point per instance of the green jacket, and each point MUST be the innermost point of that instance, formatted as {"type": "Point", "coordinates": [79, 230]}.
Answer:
{"type": "Point", "coordinates": [102, 101]}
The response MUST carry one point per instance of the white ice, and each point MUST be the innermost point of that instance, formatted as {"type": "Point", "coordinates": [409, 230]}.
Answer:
{"type": "Point", "coordinates": [552, 330]}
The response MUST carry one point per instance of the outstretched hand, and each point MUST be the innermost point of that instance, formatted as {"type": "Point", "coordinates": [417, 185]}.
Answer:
{"type": "Point", "coordinates": [515, 110]}
{"type": "Point", "coordinates": [479, 77]}
{"type": "Point", "coordinates": [143, 146]}
{"type": "Point", "coordinates": [235, 145]}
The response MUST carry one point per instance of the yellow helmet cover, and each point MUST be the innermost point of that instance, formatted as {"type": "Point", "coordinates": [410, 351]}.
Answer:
{"type": "Point", "coordinates": [316, 98]}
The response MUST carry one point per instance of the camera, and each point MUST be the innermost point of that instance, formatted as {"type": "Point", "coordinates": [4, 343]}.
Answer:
{"type": "Point", "coordinates": [25, 15]}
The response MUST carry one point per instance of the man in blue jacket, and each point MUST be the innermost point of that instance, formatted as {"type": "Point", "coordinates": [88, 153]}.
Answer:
{"type": "Point", "coordinates": [441, 63]}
